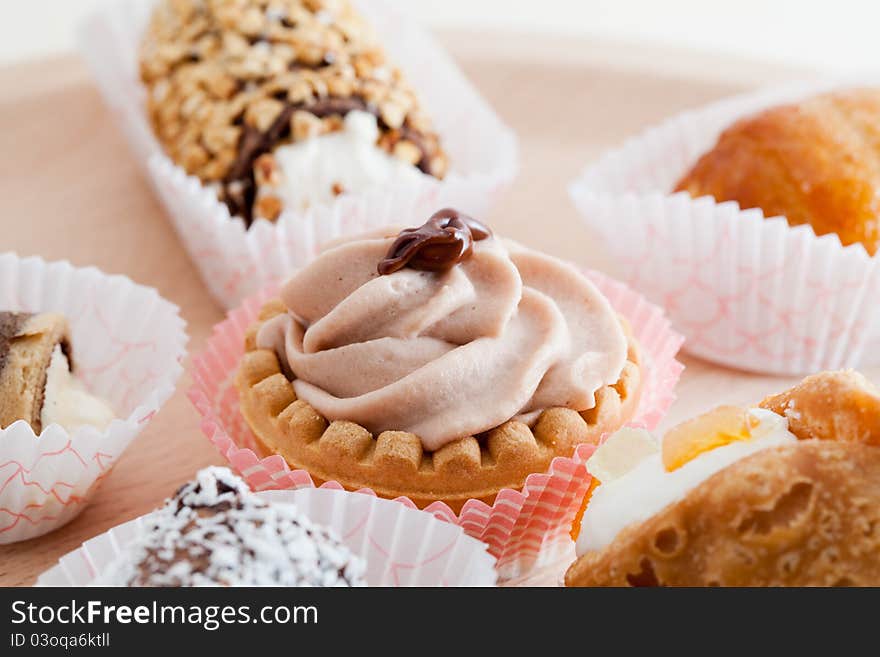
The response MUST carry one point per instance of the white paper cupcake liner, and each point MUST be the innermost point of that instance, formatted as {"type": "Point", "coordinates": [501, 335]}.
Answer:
{"type": "Point", "coordinates": [235, 262]}
{"type": "Point", "coordinates": [128, 346]}
{"type": "Point", "coordinates": [402, 546]}
{"type": "Point", "coordinates": [746, 292]}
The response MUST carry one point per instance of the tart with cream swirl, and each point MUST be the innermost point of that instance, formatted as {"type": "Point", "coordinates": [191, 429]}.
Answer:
{"type": "Point", "coordinates": [440, 363]}
{"type": "Point", "coordinates": [783, 494]}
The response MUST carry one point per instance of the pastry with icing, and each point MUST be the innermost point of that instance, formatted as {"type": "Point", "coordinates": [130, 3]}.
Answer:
{"type": "Point", "coordinates": [283, 104]}
{"type": "Point", "coordinates": [438, 363]}
{"type": "Point", "coordinates": [37, 376]}
{"type": "Point", "coordinates": [786, 493]}
{"type": "Point", "coordinates": [812, 162]}
{"type": "Point", "coordinates": [215, 532]}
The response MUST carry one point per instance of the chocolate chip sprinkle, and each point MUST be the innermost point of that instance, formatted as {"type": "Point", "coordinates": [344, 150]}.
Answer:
{"type": "Point", "coordinates": [439, 244]}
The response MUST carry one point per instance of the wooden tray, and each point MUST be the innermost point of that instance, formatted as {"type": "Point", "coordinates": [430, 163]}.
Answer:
{"type": "Point", "coordinates": [69, 189]}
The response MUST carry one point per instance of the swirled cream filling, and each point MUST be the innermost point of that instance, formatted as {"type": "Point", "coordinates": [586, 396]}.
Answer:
{"type": "Point", "coordinates": [507, 332]}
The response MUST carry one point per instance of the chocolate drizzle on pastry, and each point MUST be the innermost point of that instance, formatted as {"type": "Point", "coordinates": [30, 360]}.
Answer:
{"type": "Point", "coordinates": [226, 82]}
{"type": "Point", "coordinates": [240, 187]}
{"type": "Point", "coordinates": [439, 244]}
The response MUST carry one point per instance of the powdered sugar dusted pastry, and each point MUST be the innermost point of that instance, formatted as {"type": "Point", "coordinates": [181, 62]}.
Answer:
{"type": "Point", "coordinates": [741, 497]}
{"type": "Point", "coordinates": [215, 532]}
{"type": "Point", "coordinates": [282, 104]}
{"type": "Point", "coordinates": [813, 162]}
{"type": "Point", "coordinates": [36, 380]}
{"type": "Point", "coordinates": [439, 363]}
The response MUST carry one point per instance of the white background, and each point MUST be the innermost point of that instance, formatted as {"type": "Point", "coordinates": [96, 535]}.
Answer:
{"type": "Point", "coordinates": [838, 36]}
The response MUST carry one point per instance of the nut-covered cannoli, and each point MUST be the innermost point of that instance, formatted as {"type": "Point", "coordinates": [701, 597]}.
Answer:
{"type": "Point", "coordinates": [282, 104]}
{"type": "Point", "coordinates": [36, 380]}
{"type": "Point", "coordinates": [783, 494]}
{"type": "Point", "coordinates": [214, 531]}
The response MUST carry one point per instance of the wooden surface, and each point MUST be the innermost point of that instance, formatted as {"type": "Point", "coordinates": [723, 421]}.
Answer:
{"type": "Point", "coordinates": [69, 189]}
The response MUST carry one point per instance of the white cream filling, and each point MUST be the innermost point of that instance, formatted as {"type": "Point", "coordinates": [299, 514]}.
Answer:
{"type": "Point", "coordinates": [648, 488]}
{"type": "Point", "coordinates": [66, 400]}
{"type": "Point", "coordinates": [317, 169]}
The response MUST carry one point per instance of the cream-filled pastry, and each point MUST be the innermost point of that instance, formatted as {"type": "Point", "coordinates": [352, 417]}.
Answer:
{"type": "Point", "coordinates": [317, 169]}
{"type": "Point", "coordinates": [67, 401]}
{"type": "Point", "coordinates": [656, 479]}
{"type": "Point", "coordinates": [282, 105]}
{"type": "Point", "coordinates": [784, 494]}
{"type": "Point", "coordinates": [37, 383]}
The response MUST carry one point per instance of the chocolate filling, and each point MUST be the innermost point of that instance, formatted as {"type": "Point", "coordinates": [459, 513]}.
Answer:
{"type": "Point", "coordinates": [240, 187]}
{"type": "Point", "coordinates": [439, 244]}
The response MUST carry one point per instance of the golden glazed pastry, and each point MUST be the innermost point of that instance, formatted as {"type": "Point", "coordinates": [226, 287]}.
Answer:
{"type": "Point", "coordinates": [787, 494]}
{"type": "Point", "coordinates": [815, 162]}
{"type": "Point", "coordinates": [36, 381]}
{"type": "Point", "coordinates": [282, 104]}
{"type": "Point", "coordinates": [465, 365]}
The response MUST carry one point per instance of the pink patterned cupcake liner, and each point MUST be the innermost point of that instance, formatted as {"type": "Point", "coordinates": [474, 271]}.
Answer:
{"type": "Point", "coordinates": [747, 292]}
{"type": "Point", "coordinates": [128, 346]}
{"type": "Point", "coordinates": [523, 528]}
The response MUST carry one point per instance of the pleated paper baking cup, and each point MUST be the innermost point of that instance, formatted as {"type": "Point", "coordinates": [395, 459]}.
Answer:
{"type": "Point", "coordinates": [128, 345]}
{"type": "Point", "coordinates": [401, 546]}
{"type": "Point", "coordinates": [747, 292]}
{"type": "Point", "coordinates": [235, 262]}
{"type": "Point", "coordinates": [524, 528]}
